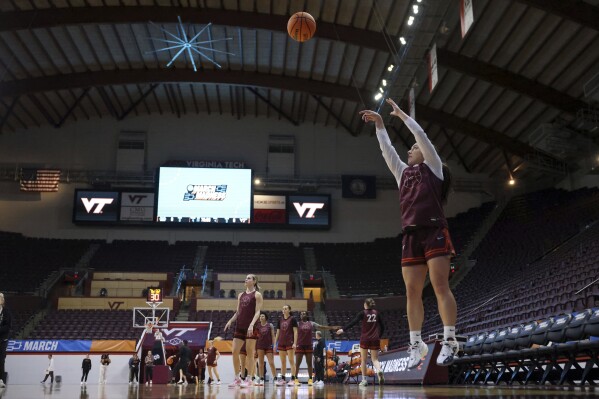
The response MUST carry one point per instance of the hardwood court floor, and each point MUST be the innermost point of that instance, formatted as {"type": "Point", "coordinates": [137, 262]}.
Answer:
{"type": "Point", "coordinates": [93, 391]}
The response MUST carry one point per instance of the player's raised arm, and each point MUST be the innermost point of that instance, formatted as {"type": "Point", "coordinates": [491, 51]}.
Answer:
{"type": "Point", "coordinates": [394, 163]}
{"type": "Point", "coordinates": [431, 158]}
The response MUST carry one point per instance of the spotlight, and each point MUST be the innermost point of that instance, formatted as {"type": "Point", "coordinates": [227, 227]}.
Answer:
{"type": "Point", "coordinates": [384, 82]}
{"type": "Point", "coordinates": [402, 40]}
{"type": "Point", "coordinates": [378, 96]}
{"type": "Point", "coordinates": [390, 67]}
{"type": "Point", "coordinates": [410, 20]}
{"type": "Point", "coordinates": [415, 9]}
{"type": "Point", "coordinates": [512, 181]}
{"type": "Point", "coordinates": [257, 181]}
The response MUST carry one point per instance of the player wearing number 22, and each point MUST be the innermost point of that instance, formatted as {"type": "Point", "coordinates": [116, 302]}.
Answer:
{"type": "Point", "coordinates": [370, 338]}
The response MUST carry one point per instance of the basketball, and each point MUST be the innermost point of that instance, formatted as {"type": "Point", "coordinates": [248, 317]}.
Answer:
{"type": "Point", "coordinates": [301, 26]}
{"type": "Point", "coordinates": [370, 372]}
{"type": "Point", "coordinates": [331, 373]}
{"type": "Point", "coordinates": [329, 353]}
{"type": "Point", "coordinates": [331, 363]}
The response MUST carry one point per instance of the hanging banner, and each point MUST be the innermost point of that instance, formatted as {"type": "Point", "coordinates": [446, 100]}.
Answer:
{"type": "Point", "coordinates": [466, 16]}
{"type": "Point", "coordinates": [433, 76]}
{"type": "Point", "coordinates": [412, 103]}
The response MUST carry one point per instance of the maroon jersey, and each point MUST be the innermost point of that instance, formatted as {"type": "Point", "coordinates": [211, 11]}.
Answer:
{"type": "Point", "coordinates": [265, 337]}
{"type": "Point", "coordinates": [211, 355]}
{"type": "Point", "coordinates": [304, 332]}
{"type": "Point", "coordinates": [247, 310]}
{"type": "Point", "coordinates": [420, 196]}
{"type": "Point", "coordinates": [201, 360]}
{"type": "Point", "coordinates": [286, 330]}
{"type": "Point", "coordinates": [372, 325]}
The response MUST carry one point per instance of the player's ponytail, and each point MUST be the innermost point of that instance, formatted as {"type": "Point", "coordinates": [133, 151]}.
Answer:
{"type": "Point", "coordinates": [253, 276]}
{"type": "Point", "coordinates": [447, 183]}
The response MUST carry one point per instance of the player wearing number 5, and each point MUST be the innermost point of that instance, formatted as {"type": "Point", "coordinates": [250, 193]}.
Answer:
{"type": "Point", "coordinates": [370, 338]}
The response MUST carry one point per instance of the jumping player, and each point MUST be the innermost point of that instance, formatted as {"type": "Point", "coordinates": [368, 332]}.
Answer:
{"type": "Point", "coordinates": [286, 339]}
{"type": "Point", "coordinates": [370, 338]}
{"type": "Point", "coordinates": [249, 304]}
{"type": "Point", "coordinates": [423, 189]}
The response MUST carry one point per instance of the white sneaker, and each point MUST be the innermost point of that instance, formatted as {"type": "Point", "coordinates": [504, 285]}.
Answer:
{"type": "Point", "coordinates": [449, 349]}
{"type": "Point", "coordinates": [236, 382]}
{"type": "Point", "coordinates": [417, 352]}
{"type": "Point", "coordinates": [81, 383]}
{"type": "Point", "coordinates": [2, 384]}
{"type": "Point", "coordinates": [291, 383]}
{"type": "Point", "coordinates": [319, 383]}
{"type": "Point", "coordinates": [246, 383]}
{"type": "Point", "coordinates": [280, 382]}
{"type": "Point", "coordinates": [150, 382]}
{"type": "Point", "coordinates": [217, 383]}
{"type": "Point", "coordinates": [147, 382]}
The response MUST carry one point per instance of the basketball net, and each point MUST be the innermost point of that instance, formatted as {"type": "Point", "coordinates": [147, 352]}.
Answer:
{"type": "Point", "coordinates": [149, 327]}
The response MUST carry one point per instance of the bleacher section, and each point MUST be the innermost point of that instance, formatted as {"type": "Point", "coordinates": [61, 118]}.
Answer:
{"type": "Point", "coordinates": [143, 256]}
{"type": "Point", "coordinates": [254, 257]}
{"type": "Point", "coordinates": [525, 268]}
{"type": "Point", "coordinates": [27, 262]}
{"type": "Point", "coordinates": [373, 269]}
{"type": "Point", "coordinates": [86, 324]}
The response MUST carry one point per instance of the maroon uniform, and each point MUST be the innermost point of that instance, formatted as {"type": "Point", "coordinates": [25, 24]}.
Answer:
{"type": "Point", "coordinates": [285, 328]}
{"type": "Point", "coordinates": [372, 328]}
{"type": "Point", "coordinates": [265, 337]}
{"type": "Point", "coordinates": [304, 336]}
{"type": "Point", "coordinates": [247, 310]}
{"type": "Point", "coordinates": [420, 193]}
{"type": "Point", "coordinates": [211, 357]}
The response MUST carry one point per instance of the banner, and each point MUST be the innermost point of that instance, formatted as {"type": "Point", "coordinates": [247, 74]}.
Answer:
{"type": "Point", "coordinates": [138, 206]}
{"type": "Point", "coordinates": [196, 334]}
{"type": "Point", "coordinates": [433, 75]}
{"type": "Point", "coordinates": [20, 346]}
{"type": "Point", "coordinates": [357, 186]}
{"type": "Point", "coordinates": [412, 103]}
{"type": "Point", "coordinates": [270, 209]}
{"type": "Point", "coordinates": [395, 367]}
{"type": "Point", "coordinates": [466, 16]}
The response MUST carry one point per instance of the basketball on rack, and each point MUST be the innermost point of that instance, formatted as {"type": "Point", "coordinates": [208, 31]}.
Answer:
{"type": "Point", "coordinates": [301, 26]}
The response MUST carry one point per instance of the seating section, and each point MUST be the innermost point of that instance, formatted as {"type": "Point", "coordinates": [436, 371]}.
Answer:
{"type": "Point", "coordinates": [144, 256]}
{"type": "Point", "coordinates": [523, 354]}
{"type": "Point", "coordinates": [26, 262]}
{"type": "Point", "coordinates": [382, 258]}
{"type": "Point", "coordinates": [86, 324]}
{"type": "Point", "coordinates": [530, 265]}
{"type": "Point", "coordinates": [254, 257]}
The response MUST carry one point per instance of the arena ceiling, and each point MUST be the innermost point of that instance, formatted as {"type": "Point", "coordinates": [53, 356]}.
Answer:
{"type": "Point", "coordinates": [523, 64]}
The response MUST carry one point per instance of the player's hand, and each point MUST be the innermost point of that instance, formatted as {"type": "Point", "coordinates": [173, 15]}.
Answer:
{"type": "Point", "coordinates": [339, 331]}
{"type": "Point", "coordinates": [372, 116]}
{"type": "Point", "coordinates": [227, 326]}
{"type": "Point", "coordinates": [293, 346]}
{"type": "Point", "coordinates": [250, 331]}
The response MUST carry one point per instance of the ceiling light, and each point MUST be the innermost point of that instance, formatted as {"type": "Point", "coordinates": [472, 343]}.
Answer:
{"type": "Point", "coordinates": [384, 82]}
{"type": "Point", "coordinates": [378, 96]}
{"type": "Point", "coordinates": [257, 181]}
{"type": "Point", "coordinates": [415, 9]}
{"type": "Point", "coordinates": [512, 181]}
{"type": "Point", "coordinates": [390, 68]}
{"type": "Point", "coordinates": [410, 20]}
{"type": "Point", "coordinates": [381, 90]}
{"type": "Point", "coordinates": [402, 40]}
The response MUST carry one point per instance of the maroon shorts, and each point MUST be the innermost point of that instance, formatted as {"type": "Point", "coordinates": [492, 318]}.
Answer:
{"type": "Point", "coordinates": [241, 333]}
{"type": "Point", "coordinates": [284, 348]}
{"type": "Point", "coordinates": [266, 350]}
{"type": "Point", "coordinates": [374, 345]}
{"type": "Point", "coordinates": [422, 244]}
{"type": "Point", "coordinates": [304, 349]}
